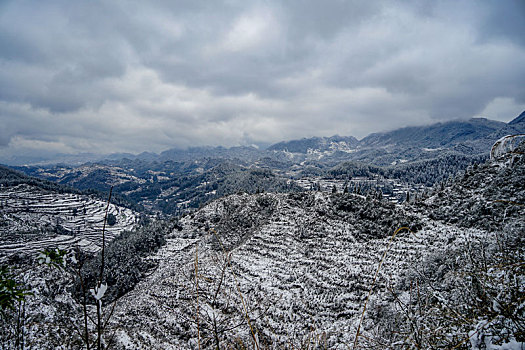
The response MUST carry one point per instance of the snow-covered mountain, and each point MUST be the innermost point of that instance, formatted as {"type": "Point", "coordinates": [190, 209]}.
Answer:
{"type": "Point", "coordinates": [320, 145]}
{"type": "Point", "coordinates": [177, 180]}
{"type": "Point", "coordinates": [438, 135]}
{"type": "Point", "coordinates": [296, 269]}
{"type": "Point", "coordinates": [466, 137]}
{"type": "Point", "coordinates": [520, 119]}
{"type": "Point", "coordinates": [272, 270]}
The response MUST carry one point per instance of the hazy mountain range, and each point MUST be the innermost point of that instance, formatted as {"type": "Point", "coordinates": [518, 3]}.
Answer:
{"type": "Point", "coordinates": [400, 161]}
{"type": "Point", "coordinates": [469, 137]}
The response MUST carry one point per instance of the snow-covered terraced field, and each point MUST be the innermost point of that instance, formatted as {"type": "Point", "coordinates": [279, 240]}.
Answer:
{"type": "Point", "coordinates": [301, 274]}
{"type": "Point", "coordinates": [32, 219]}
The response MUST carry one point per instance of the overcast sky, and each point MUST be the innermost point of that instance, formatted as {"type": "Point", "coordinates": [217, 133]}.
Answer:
{"type": "Point", "coordinates": [124, 76]}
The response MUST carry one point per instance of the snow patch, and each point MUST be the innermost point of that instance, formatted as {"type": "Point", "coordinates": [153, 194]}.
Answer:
{"type": "Point", "coordinates": [98, 292]}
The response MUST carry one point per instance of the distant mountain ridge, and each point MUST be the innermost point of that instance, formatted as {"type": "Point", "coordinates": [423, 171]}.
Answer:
{"type": "Point", "coordinates": [469, 137]}
{"type": "Point", "coordinates": [178, 179]}
{"type": "Point", "coordinates": [241, 152]}
{"type": "Point", "coordinates": [435, 135]}
{"type": "Point", "coordinates": [317, 143]}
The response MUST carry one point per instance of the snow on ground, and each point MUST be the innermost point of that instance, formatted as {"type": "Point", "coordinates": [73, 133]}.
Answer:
{"type": "Point", "coordinates": [31, 219]}
{"type": "Point", "coordinates": [300, 275]}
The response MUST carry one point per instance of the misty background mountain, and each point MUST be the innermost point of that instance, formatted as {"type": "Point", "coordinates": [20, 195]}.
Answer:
{"type": "Point", "coordinates": [394, 163]}
{"type": "Point", "coordinates": [469, 137]}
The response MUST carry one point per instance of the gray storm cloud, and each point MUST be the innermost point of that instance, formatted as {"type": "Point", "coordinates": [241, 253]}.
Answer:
{"type": "Point", "coordinates": [134, 76]}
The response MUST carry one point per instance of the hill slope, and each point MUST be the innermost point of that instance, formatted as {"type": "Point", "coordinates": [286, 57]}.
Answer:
{"type": "Point", "coordinates": [296, 270]}
{"type": "Point", "coordinates": [35, 214]}
{"type": "Point", "coordinates": [300, 267]}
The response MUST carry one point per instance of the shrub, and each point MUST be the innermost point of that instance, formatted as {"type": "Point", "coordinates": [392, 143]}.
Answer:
{"type": "Point", "coordinates": [467, 296]}
{"type": "Point", "coordinates": [124, 259]}
{"type": "Point", "coordinates": [112, 219]}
